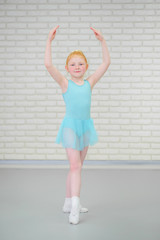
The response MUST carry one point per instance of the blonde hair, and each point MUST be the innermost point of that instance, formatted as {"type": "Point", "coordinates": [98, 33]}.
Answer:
{"type": "Point", "coordinates": [76, 53]}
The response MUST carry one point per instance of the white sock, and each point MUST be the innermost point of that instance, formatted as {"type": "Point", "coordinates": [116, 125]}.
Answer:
{"type": "Point", "coordinates": [74, 215]}
{"type": "Point", "coordinates": [68, 206]}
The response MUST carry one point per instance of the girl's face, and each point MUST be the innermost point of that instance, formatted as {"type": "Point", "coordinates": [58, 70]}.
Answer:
{"type": "Point", "coordinates": [77, 67]}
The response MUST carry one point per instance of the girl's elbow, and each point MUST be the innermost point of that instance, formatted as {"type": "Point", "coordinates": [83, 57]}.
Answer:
{"type": "Point", "coordinates": [107, 64]}
{"type": "Point", "coordinates": [47, 65]}
{"type": "Point", "coordinates": [109, 61]}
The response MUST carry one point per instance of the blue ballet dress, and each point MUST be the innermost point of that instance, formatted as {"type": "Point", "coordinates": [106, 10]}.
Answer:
{"type": "Point", "coordinates": [77, 128]}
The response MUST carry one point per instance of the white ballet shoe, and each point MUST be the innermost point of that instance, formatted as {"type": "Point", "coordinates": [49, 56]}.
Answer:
{"type": "Point", "coordinates": [74, 215]}
{"type": "Point", "coordinates": [83, 209]}
{"type": "Point", "coordinates": [68, 206]}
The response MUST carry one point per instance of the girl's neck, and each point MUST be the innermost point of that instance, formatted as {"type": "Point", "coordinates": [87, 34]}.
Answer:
{"type": "Point", "coordinates": [77, 80]}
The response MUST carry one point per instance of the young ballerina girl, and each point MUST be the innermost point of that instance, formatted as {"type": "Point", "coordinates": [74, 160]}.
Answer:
{"type": "Point", "coordinates": [77, 130]}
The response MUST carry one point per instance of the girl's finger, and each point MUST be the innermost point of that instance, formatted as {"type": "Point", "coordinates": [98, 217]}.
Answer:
{"type": "Point", "coordinates": [93, 29]}
{"type": "Point", "coordinates": [54, 29]}
{"type": "Point", "coordinates": [57, 27]}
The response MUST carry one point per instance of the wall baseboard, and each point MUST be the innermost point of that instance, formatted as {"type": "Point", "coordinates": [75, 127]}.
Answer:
{"type": "Point", "coordinates": [99, 164]}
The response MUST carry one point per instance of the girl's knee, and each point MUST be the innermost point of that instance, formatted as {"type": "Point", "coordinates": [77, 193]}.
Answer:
{"type": "Point", "coordinates": [76, 166]}
{"type": "Point", "coordinates": [74, 159]}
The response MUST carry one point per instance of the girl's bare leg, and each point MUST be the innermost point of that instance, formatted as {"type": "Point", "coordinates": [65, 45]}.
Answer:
{"type": "Point", "coordinates": [71, 155]}
{"type": "Point", "coordinates": [83, 154]}
{"type": "Point", "coordinates": [74, 175]}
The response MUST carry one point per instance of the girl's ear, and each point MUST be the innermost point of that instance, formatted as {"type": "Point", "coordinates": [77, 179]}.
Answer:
{"type": "Point", "coordinates": [66, 68]}
{"type": "Point", "coordinates": [87, 67]}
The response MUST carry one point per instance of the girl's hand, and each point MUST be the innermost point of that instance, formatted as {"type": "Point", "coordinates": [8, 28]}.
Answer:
{"type": "Point", "coordinates": [98, 34]}
{"type": "Point", "coordinates": [52, 33]}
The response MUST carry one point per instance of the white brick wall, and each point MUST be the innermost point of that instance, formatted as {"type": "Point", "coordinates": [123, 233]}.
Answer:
{"type": "Point", "coordinates": [126, 101]}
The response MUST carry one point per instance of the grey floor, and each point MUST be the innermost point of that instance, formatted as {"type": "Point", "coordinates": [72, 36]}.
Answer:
{"type": "Point", "coordinates": [123, 204]}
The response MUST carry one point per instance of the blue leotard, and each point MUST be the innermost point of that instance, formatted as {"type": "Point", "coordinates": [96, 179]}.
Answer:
{"type": "Point", "coordinates": [77, 128]}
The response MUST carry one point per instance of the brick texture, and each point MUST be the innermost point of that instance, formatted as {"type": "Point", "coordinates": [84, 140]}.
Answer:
{"type": "Point", "coordinates": [125, 102]}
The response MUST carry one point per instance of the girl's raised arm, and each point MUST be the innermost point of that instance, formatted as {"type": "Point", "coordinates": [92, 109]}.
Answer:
{"type": "Point", "coordinates": [95, 77]}
{"type": "Point", "coordinates": [57, 76]}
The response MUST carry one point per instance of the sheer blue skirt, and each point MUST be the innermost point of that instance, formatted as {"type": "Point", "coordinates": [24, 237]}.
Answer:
{"type": "Point", "coordinates": [76, 133]}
